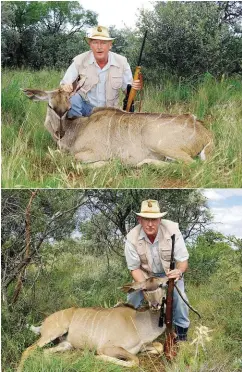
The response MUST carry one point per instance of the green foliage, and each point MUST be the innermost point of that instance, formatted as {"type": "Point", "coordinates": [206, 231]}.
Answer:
{"type": "Point", "coordinates": [43, 33]}
{"type": "Point", "coordinates": [76, 278]}
{"type": "Point", "coordinates": [127, 43]}
{"type": "Point", "coordinates": [204, 255]}
{"type": "Point", "coordinates": [30, 158]}
{"type": "Point", "coordinates": [184, 38]}
{"type": "Point", "coordinates": [112, 215]}
{"type": "Point", "coordinates": [26, 222]}
{"type": "Point", "coordinates": [75, 361]}
{"type": "Point", "coordinates": [190, 38]}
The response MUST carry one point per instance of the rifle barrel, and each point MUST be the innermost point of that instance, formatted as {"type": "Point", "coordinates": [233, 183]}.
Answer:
{"type": "Point", "coordinates": [172, 263]}
{"type": "Point", "coordinates": [142, 47]}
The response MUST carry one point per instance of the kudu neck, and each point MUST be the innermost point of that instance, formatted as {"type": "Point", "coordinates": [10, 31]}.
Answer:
{"type": "Point", "coordinates": [147, 325]}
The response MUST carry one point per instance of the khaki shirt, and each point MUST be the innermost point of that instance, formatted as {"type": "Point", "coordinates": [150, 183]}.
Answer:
{"type": "Point", "coordinates": [154, 257]}
{"type": "Point", "coordinates": [99, 86]}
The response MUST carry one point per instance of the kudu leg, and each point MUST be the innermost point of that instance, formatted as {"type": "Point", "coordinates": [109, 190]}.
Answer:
{"type": "Point", "coordinates": [89, 159]}
{"type": "Point", "coordinates": [179, 155]}
{"type": "Point", "coordinates": [60, 348]}
{"type": "Point", "coordinates": [153, 162]}
{"type": "Point", "coordinates": [117, 355]}
{"type": "Point", "coordinates": [153, 348]}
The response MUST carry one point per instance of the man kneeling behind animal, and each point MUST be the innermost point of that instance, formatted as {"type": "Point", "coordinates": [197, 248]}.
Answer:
{"type": "Point", "coordinates": [117, 334]}
{"type": "Point", "coordinates": [148, 254]}
{"type": "Point", "coordinates": [101, 75]}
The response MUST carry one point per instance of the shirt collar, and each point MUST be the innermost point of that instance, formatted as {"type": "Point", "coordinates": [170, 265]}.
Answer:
{"type": "Point", "coordinates": [142, 235]}
{"type": "Point", "coordinates": [111, 59]}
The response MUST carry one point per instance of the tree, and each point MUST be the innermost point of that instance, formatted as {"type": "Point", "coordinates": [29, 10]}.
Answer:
{"type": "Point", "coordinates": [231, 13]}
{"type": "Point", "coordinates": [51, 218]}
{"type": "Point", "coordinates": [190, 38]}
{"type": "Point", "coordinates": [206, 253]}
{"type": "Point", "coordinates": [111, 215]}
{"type": "Point", "coordinates": [30, 28]}
{"type": "Point", "coordinates": [127, 43]}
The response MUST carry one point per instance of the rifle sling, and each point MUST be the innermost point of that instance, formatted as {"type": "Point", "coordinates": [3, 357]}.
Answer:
{"type": "Point", "coordinates": [190, 307]}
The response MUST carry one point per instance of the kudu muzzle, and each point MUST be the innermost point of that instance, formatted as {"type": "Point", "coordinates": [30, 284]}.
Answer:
{"type": "Point", "coordinates": [61, 116]}
{"type": "Point", "coordinates": [154, 297]}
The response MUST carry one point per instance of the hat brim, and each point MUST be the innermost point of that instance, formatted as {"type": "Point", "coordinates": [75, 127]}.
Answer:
{"type": "Point", "coordinates": [100, 38]}
{"type": "Point", "coordinates": [151, 215]}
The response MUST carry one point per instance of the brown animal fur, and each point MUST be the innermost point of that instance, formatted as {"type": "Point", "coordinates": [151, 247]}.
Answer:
{"type": "Point", "coordinates": [134, 138]}
{"type": "Point", "coordinates": [117, 333]}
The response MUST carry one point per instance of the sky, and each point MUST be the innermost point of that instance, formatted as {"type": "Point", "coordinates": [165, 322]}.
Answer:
{"type": "Point", "coordinates": [226, 206]}
{"type": "Point", "coordinates": [117, 13]}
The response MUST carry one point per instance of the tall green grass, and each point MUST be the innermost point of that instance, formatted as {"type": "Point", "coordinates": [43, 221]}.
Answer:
{"type": "Point", "coordinates": [70, 280]}
{"type": "Point", "coordinates": [30, 157]}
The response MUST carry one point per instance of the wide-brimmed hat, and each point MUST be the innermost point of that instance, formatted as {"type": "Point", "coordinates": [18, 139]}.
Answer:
{"type": "Point", "coordinates": [150, 209]}
{"type": "Point", "coordinates": [99, 33]}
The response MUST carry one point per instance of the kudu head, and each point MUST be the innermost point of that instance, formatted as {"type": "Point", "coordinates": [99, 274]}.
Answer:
{"type": "Point", "coordinates": [58, 106]}
{"type": "Point", "coordinates": [153, 290]}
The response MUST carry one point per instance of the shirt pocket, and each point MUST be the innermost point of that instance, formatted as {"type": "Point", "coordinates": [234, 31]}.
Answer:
{"type": "Point", "coordinates": [166, 254]}
{"type": "Point", "coordinates": [81, 81]}
{"type": "Point", "coordinates": [86, 83]}
{"type": "Point", "coordinates": [143, 259]}
{"type": "Point", "coordinates": [116, 82]}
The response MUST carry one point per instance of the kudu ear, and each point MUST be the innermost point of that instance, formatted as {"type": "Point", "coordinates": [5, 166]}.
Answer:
{"type": "Point", "coordinates": [134, 286]}
{"type": "Point", "coordinates": [150, 284]}
{"type": "Point", "coordinates": [36, 95]}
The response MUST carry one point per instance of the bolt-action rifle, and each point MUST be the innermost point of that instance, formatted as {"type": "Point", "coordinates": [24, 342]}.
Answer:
{"type": "Point", "coordinates": [128, 104]}
{"type": "Point", "coordinates": [170, 344]}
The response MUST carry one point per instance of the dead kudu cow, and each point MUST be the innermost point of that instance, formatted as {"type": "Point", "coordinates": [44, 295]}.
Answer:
{"type": "Point", "coordinates": [117, 334]}
{"type": "Point", "coordinates": [134, 138]}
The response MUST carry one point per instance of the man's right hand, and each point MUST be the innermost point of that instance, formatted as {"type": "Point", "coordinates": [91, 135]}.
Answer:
{"type": "Point", "coordinates": [67, 88]}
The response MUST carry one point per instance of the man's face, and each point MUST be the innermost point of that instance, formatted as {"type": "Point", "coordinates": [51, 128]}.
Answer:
{"type": "Point", "coordinates": [100, 49]}
{"type": "Point", "coordinates": [149, 225]}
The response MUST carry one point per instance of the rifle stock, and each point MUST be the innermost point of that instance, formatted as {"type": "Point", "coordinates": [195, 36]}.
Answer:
{"type": "Point", "coordinates": [133, 92]}
{"type": "Point", "coordinates": [137, 72]}
{"type": "Point", "coordinates": [170, 348]}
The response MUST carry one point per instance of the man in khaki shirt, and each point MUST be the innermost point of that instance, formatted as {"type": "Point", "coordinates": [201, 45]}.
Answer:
{"type": "Point", "coordinates": [101, 75]}
{"type": "Point", "coordinates": [148, 253]}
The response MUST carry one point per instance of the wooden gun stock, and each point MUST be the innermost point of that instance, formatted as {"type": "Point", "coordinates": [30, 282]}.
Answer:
{"type": "Point", "coordinates": [133, 92]}
{"type": "Point", "coordinates": [137, 73]}
{"type": "Point", "coordinates": [170, 347]}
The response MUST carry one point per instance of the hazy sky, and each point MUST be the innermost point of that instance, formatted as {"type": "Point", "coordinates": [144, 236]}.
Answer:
{"type": "Point", "coordinates": [226, 206]}
{"type": "Point", "coordinates": [116, 13]}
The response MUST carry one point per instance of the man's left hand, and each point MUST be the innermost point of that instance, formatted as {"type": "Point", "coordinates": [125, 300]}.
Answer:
{"type": "Point", "coordinates": [137, 85]}
{"type": "Point", "coordinates": [174, 274]}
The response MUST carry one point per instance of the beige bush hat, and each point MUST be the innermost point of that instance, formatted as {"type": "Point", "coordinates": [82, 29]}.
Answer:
{"type": "Point", "coordinates": [99, 33]}
{"type": "Point", "coordinates": [150, 209]}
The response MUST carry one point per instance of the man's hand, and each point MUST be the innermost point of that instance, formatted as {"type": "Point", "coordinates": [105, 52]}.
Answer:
{"type": "Point", "coordinates": [67, 88]}
{"type": "Point", "coordinates": [174, 274]}
{"type": "Point", "coordinates": [137, 85]}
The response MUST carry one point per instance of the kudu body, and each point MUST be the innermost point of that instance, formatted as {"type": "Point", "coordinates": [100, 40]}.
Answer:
{"type": "Point", "coordinates": [134, 138]}
{"type": "Point", "coordinates": [117, 334]}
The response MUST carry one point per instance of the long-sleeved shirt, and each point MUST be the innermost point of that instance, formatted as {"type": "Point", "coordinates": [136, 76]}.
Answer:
{"type": "Point", "coordinates": [97, 95]}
